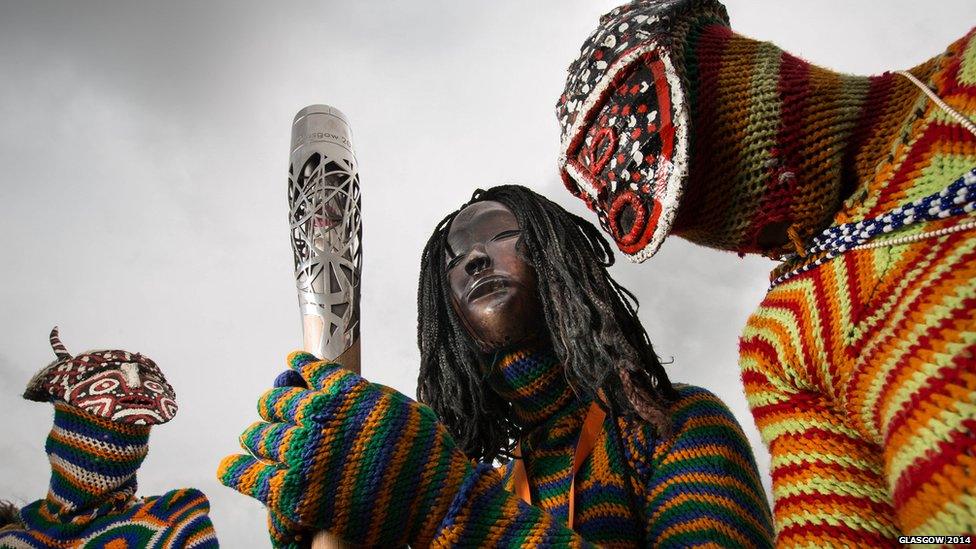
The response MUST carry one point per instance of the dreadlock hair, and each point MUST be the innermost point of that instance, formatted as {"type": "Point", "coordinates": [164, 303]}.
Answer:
{"type": "Point", "coordinates": [591, 321]}
{"type": "Point", "coordinates": [10, 516]}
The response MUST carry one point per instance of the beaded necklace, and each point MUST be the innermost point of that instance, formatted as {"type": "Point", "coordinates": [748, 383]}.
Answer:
{"type": "Point", "coordinates": [959, 198]}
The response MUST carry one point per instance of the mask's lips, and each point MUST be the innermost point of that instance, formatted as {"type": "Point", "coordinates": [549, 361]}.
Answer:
{"type": "Point", "coordinates": [628, 210]}
{"type": "Point", "coordinates": [638, 217]}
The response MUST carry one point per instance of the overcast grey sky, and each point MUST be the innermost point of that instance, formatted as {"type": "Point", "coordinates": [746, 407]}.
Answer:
{"type": "Point", "coordinates": [144, 154]}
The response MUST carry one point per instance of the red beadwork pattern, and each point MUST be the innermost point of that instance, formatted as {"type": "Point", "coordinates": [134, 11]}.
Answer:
{"type": "Point", "coordinates": [627, 151]}
{"type": "Point", "coordinates": [118, 385]}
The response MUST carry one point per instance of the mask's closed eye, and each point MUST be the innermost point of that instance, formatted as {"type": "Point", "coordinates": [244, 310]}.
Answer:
{"type": "Point", "coordinates": [506, 234]}
{"type": "Point", "coordinates": [154, 386]}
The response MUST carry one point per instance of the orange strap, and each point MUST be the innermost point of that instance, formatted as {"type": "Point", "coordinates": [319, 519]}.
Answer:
{"type": "Point", "coordinates": [589, 433]}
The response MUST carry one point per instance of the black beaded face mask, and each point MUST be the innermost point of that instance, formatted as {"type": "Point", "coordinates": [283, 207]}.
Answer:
{"type": "Point", "coordinates": [624, 119]}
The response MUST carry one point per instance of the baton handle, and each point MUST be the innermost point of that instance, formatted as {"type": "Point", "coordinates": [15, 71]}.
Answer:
{"type": "Point", "coordinates": [313, 325]}
{"type": "Point", "coordinates": [350, 361]}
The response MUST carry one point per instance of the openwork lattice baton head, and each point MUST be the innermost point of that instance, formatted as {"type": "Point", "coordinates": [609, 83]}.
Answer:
{"type": "Point", "coordinates": [326, 229]}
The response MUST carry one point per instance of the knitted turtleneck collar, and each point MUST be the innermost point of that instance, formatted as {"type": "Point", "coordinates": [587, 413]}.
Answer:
{"type": "Point", "coordinates": [93, 466]}
{"type": "Point", "coordinates": [777, 143]}
{"type": "Point", "coordinates": [533, 380]}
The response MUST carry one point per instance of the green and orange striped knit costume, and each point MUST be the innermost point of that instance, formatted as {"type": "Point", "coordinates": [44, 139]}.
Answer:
{"type": "Point", "coordinates": [91, 501]}
{"type": "Point", "coordinates": [376, 468]}
{"type": "Point", "coordinates": [861, 371]}
{"type": "Point", "coordinates": [698, 486]}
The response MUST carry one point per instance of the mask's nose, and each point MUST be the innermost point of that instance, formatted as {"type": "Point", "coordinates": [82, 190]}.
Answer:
{"type": "Point", "coordinates": [131, 373]}
{"type": "Point", "coordinates": [477, 261]}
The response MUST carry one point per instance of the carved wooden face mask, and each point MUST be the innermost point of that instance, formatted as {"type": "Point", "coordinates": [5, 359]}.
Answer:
{"type": "Point", "coordinates": [117, 385]}
{"type": "Point", "coordinates": [494, 289]}
{"type": "Point", "coordinates": [624, 119]}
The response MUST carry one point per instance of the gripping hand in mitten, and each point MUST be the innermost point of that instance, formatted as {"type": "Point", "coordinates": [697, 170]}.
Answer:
{"type": "Point", "coordinates": [355, 458]}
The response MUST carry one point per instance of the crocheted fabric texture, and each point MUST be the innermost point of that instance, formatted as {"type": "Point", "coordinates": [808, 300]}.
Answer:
{"type": "Point", "coordinates": [91, 500]}
{"type": "Point", "coordinates": [861, 371]}
{"type": "Point", "coordinates": [700, 486]}
{"type": "Point", "coordinates": [860, 364]}
{"type": "Point", "coordinates": [355, 458]}
{"type": "Point", "coordinates": [374, 467]}
{"type": "Point", "coordinates": [768, 139]}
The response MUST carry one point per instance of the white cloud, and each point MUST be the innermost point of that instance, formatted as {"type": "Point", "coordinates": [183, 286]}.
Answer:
{"type": "Point", "coordinates": [143, 206]}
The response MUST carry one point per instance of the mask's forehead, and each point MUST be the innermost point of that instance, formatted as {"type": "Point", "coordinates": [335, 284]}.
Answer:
{"type": "Point", "coordinates": [479, 222]}
{"type": "Point", "coordinates": [619, 30]}
{"type": "Point", "coordinates": [62, 376]}
{"type": "Point", "coordinates": [95, 362]}
{"type": "Point", "coordinates": [69, 373]}
{"type": "Point", "coordinates": [144, 368]}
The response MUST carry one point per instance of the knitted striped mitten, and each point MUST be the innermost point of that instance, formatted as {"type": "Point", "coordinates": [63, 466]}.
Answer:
{"type": "Point", "coordinates": [355, 458]}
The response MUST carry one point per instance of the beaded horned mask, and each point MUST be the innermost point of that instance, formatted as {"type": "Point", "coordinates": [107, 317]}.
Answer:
{"type": "Point", "coordinates": [117, 385]}
{"type": "Point", "coordinates": [624, 119]}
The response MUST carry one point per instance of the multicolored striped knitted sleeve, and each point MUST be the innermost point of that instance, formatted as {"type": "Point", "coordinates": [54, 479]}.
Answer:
{"type": "Point", "coordinates": [702, 484]}
{"type": "Point", "coordinates": [827, 479]}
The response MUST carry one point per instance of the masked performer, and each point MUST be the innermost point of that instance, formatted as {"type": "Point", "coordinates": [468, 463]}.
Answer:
{"type": "Point", "coordinates": [526, 339]}
{"type": "Point", "coordinates": [860, 363]}
{"type": "Point", "coordinates": [105, 403]}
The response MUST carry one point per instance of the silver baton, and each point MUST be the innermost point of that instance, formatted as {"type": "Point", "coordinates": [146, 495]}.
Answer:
{"type": "Point", "coordinates": [326, 232]}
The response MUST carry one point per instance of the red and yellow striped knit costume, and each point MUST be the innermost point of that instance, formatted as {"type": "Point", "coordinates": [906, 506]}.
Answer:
{"type": "Point", "coordinates": [861, 373]}
{"type": "Point", "coordinates": [859, 366]}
